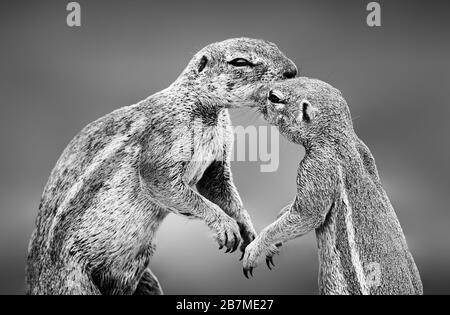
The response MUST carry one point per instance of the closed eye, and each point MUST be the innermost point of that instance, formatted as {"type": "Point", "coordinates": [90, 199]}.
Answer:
{"type": "Point", "coordinates": [274, 98]}
{"type": "Point", "coordinates": [241, 62]}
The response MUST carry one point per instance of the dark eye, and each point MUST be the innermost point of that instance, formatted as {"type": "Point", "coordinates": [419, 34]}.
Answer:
{"type": "Point", "coordinates": [273, 98]}
{"type": "Point", "coordinates": [241, 62]}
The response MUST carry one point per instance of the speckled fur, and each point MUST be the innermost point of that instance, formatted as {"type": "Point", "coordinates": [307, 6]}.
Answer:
{"type": "Point", "coordinates": [122, 174]}
{"type": "Point", "coordinates": [339, 195]}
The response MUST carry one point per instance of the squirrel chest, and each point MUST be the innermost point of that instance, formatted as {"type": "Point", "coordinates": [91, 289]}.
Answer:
{"type": "Point", "coordinates": [206, 143]}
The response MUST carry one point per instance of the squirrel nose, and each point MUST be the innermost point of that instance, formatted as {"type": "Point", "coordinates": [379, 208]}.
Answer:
{"type": "Point", "coordinates": [290, 73]}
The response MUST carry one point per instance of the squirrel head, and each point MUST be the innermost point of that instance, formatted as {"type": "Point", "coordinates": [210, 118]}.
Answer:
{"type": "Point", "coordinates": [306, 110]}
{"type": "Point", "coordinates": [226, 73]}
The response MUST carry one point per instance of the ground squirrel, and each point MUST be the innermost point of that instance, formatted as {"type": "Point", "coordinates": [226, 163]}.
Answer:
{"type": "Point", "coordinates": [362, 249]}
{"type": "Point", "coordinates": [122, 174]}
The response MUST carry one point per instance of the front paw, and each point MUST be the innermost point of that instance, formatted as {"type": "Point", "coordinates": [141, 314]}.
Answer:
{"type": "Point", "coordinates": [227, 234]}
{"type": "Point", "coordinates": [248, 235]}
{"type": "Point", "coordinates": [274, 249]}
{"type": "Point", "coordinates": [253, 253]}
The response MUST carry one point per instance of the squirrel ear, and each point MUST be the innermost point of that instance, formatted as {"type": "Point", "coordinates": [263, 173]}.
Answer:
{"type": "Point", "coordinates": [307, 111]}
{"type": "Point", "coordinates": [202, 64]}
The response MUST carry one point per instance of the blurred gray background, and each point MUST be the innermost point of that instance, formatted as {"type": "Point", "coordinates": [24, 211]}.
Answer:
{"type": "Point", "coordinates": [54, 80]}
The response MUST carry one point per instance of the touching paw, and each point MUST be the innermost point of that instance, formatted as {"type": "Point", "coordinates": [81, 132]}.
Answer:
{"type": "Point", "coordinates": [227, 234]}
{"type": "Point", "coordinates": [248, 235]}
{"type": "Point", "coordinates": [253, 254]}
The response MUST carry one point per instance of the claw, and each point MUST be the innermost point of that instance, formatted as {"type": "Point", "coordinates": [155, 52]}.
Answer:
{"type": "Point", "coordinates": [242, 257]}
{"type": "Point", "coordinates": [228, 250]}
{"type": "Point", "coordinates": [220, 247]}
{"type": "Point", "coordinates": [268, 261]}
{"type": "Point", "coordinates": [236, 243]}
{"type": "Point", "coordinates": [226, 239]}
{"type": "Point", "coordinates": [245, 273]}
{"type": "Point", "coordinates": [278, 245]}
{"type": "Point", "coordinates": [271, 261]}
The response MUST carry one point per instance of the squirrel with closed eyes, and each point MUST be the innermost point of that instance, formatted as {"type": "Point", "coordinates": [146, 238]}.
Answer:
{"type": "Point", "coordinates": [362, 248]}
